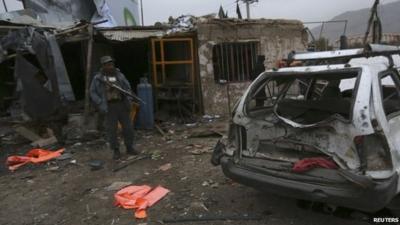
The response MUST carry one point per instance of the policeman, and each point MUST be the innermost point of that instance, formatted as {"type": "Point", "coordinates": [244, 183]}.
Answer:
{"type": "Point", "coordinates": [114, 104]}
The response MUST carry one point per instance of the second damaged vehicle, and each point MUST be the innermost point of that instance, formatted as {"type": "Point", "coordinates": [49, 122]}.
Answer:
{"type": "Point", "coordinates": [329, 132]}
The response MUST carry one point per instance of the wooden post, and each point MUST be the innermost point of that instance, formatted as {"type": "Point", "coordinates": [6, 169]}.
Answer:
{"type": "Point", "coordinates": [88, 72]}
{"type": "Point", "coordinates": [5, 6]}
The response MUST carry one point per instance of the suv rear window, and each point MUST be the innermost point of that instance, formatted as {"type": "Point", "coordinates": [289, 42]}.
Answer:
{"type": "Point", "coordinates": [305, 98]}
{"type": "Point", "coordinates": [390, 93]}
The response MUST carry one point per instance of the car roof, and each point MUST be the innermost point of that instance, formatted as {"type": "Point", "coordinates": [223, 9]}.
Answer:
{"type": "Point", "coordinates": [376, 63]}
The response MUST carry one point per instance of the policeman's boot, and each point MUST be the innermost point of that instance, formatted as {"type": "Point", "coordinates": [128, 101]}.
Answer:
{"type": "Point", "coordinates": [117, 154]}
{"type": "Point", "coordinates": [131, 151]}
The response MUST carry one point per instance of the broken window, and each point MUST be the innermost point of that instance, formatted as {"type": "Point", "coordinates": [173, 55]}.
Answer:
{"type": "Point", "coordinates": [174, 75]}
{"type": "Point", "coordinates": [305, 98]}
{"type": "Point", "coordinates": [235, 62]}
{"type": "Point", "coordinates": [173, 61]}
{"type": "Point", "coordinates": [390, 93]}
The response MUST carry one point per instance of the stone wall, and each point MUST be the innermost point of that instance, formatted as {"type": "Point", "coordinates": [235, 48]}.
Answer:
{"type": "Point", "coordinates": [276, 37]}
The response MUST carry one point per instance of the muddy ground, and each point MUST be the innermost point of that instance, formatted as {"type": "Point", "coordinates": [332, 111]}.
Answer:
{"type": "Point", "coordinates": [61, 192]}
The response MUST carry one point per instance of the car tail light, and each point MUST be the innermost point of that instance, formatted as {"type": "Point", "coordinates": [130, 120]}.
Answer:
{"type": "Point", "coordinates": [359, 140]}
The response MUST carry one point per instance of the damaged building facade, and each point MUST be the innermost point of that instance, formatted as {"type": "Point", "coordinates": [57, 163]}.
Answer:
{"type": "Point", "coordinates": [206, 68]}
{"type": "Point", "coordinates": [202, 68]}
{"type": "Point", "coordinates": [231, 50]}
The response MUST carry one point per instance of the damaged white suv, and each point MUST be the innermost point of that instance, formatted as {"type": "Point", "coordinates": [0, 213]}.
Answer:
{"type": "Point", "coordinates": [327, 132]}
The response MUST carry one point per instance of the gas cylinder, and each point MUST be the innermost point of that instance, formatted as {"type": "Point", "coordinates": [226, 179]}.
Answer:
{"type": "Point", "coordinates": [145, 119]}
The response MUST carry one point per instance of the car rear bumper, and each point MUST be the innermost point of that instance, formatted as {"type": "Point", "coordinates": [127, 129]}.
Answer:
{"type": "Point", "coordinates": [351, 196]}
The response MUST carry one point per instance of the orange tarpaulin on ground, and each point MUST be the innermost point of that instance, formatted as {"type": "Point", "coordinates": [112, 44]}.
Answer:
{"type": "Point", "coordinates": [33, 156]}
{"type": "Point", "coordinates": [139, 198]}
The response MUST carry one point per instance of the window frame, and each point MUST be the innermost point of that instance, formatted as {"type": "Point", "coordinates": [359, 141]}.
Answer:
{"type": "Point", "coordinates": [394, 73]}
{"type": "Point", "coordinates": [357, 72]}
{"type": "Point", "coordinates": [231, 68]}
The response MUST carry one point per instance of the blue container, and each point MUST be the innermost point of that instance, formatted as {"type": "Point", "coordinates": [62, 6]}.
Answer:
{"type": "Point", "coordinates": [145, 118]}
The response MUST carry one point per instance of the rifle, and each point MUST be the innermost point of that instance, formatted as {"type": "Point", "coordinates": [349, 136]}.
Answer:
{"type": "Point", "coordinates": [125, 92]}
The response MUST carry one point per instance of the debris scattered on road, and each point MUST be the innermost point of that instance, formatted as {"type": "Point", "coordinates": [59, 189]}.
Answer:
{"type": "Point", "coordinates": [200, 151]}
{"type": "Point", "coordinates": [205, 133]}
{"type": "Point", "coordinates": [191, 124]}
{"type": "Point", "coordinates": [53, 168]}
{"type": "Point", "coordinates": [165, 167]}
{"type": "Point", "coordinates": [96, 164]}
{"type": "Point", "coordinates": [27, 133]}
{"type": "Point", "coordinates": [64, 156]}
{"type": "Point", "coordinates": [43, 142]}
{"type": "Point", "coordinates": [205, 184]}
{"type": "Point", "coordinates": [210, 183]}
{"type": "Point", "coordinates": [198, 205]}
{"type": "Point", "coordinates": [214, 185]}
{"type": "Point", "coordinates": [156, 155]}
{"type": "Point", "coordinates": [208, 218]}
{"type": "Point", "coordinates": [134, 160]}
{"type": "Point", "coordinates": [160, 130]}
{"type": "Point", "coordinates": [117, 186]}
{"type": "Point", "coordinates": [210, 118]}
{"type": "Point", "coordinates": [36, 139]}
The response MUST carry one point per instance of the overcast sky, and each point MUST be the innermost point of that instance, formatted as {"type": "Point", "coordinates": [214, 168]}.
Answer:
{"type": "Point", "coordinates": [305, 10]}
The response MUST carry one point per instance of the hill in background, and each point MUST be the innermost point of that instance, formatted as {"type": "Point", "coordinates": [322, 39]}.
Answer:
{"type": "Point", "coordinates": [357, 22]}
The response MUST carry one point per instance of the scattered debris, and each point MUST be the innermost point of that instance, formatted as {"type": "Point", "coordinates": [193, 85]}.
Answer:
{"type": "Point", "coordinates": [191, 124]}
{"type": "Point", "coordinates": [201, 151]}
{"type": "Point", "coordinates": [27, 133]}
{"type": "Point", "coordinates": [37, 140]}
{"type": "Point", "coordinates": [117, 186]}
{"type": "Point", "coordinates": [205, 183]}
{"type": "Point", "coordinates": [202, 133]}
{"type": "Point", "coordinates": [156, 155]}
{"type": "Point", "coordinates": [30, 181]}
{"type": "Point", "coordinates": [53, 169]}
{"type": "Point", "coordinates": [77, 144]}
{"type": "Point", "coordinates": [210, 183]}
{"type": "Point", "coordinates": [198, 205]}
{"type": "Point", "coordinates": [208, 218]}
{"type": "Point", "coordinates": [139, 198]}
{"type": "Point", "coordinates": [43, 142]}
{"type": "Point", "coordinates": [137, 158]}
{"type": "Point", "coordinates": [160, 130]}
{"type": "Point", "coordinates": [165, 167]}
{"type": "Point", "coordinates": [211, 118]}
{"type": "Point", "coordinates": [183, 23]}
{"type": "Point", "coordinates": [96, 164]}
{"type": "Point", "coordinates": [64, 156]}
{"type": "Point", "coordinates": [214, 185]}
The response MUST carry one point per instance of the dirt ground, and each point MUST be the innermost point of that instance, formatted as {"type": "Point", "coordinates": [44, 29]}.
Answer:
{"type": "Point", "coordinates": [61, 192]}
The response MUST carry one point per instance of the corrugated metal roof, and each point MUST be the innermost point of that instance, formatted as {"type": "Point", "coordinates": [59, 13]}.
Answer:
{"type": "Point", "coordinates": [126, 35]}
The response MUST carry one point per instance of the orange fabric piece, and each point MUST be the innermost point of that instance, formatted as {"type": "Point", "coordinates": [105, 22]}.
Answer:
{"type": "Point", "coordinates": [33, 156]}
{"type": "Point", "coordinates": [126, 197]}
{"type": "Point", "coordinates": [155, 195]}
{"type": "Point", "coordinates": [139, 198]}
{"type": "Point", "coordinates": [140, 214]}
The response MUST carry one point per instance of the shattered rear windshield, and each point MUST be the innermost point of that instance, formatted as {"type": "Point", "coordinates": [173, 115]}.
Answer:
{"type": "Point", "coordinates": [305, 98]}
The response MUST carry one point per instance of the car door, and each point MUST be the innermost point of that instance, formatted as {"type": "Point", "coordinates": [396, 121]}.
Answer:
{"type": "Point", "coordinates": [389, 83]}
